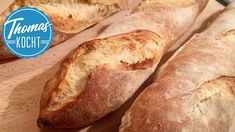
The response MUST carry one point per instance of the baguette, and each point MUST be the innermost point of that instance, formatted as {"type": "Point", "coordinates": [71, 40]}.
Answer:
{"type": "Point", "coordinates": [68, 16]}
{"type": "Point", "coordinates": [104, 73]}
{"type": "Point", "coordinates": [195, 90]}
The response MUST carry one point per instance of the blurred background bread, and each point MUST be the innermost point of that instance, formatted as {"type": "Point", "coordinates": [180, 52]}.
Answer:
{"type": "Point", "coordinates": [68, 16]}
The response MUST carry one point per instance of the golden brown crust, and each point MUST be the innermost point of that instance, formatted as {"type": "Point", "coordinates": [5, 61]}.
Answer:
{"type": "Point", "coordinates": [106, 88]}
{"type": "Point", "coordinates": [191, 93]}
{"type": "Point", "coordinates": [68, 17]}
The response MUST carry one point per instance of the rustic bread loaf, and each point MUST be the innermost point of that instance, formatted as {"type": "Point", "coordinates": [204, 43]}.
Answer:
{"type": "Point", "coordinates": [195, 90]}
{"type": "Point", "coordinates": [103, 73]}
{"type": "Point", "coordinates": [98, 78]}
{"type": "Point", "coordinates": [68, 16]}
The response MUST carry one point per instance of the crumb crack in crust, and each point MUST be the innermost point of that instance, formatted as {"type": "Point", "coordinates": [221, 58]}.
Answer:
{"type": "Point", "coordinates": [133, 51]}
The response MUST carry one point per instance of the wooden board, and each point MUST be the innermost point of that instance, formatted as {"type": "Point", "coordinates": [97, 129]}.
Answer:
{"type": "Point", "coordinates": [22, 80]}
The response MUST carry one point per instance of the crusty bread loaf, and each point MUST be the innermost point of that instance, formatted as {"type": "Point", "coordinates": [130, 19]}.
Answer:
{"type": "Point", "coordinates": [98, 78]}
{"type": "Point", "coordinates": [68, 16]}
{"type": "Point", "coordinates": [195, 90]}
{"type": "Point", "coordinates": [102, 74]}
